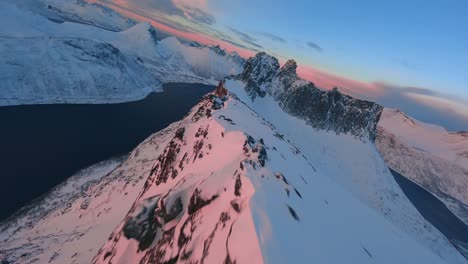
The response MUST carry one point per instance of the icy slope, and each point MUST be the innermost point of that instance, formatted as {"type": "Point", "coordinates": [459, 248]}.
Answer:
{"type": "Point", "coordinates": [428, 155]}
{"type": "Point", "coordinates": [229, 188]}
{"type": "Point", "coordinates": [38, 68]}
{"type": "Point", "coordinates": [74, 220]}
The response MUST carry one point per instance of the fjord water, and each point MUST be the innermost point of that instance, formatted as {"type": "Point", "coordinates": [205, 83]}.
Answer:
{"type": "Point", "coordinates": [43, 145]}
{"type": "Point", "coordinates": [435, 212]}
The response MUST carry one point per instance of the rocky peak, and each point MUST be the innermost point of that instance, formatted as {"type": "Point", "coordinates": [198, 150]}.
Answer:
{"type": "Point", "coordinates": [332, 111]}
{"type": "Point", "coordinates": [258, 73]}
{"type": "Point", "coordinates": [323, 110]}
{"type": "Point", "coordinates": [286, 77]}
{"type": "Point", "coordinates": [289, 68]}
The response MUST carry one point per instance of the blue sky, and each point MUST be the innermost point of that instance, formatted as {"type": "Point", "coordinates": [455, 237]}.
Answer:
{"type": "Point", "coordinates": [411, 55]}
{"type": "Point", "coordinates": [413, 43]}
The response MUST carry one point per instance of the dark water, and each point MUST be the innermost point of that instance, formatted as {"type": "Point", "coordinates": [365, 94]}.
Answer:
{"type": "Point", "coordinates": [42, 145]}
{"type": "Point", "coordinates": [433, 210]}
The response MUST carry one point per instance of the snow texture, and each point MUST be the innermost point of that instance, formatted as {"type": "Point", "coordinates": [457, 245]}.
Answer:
{"type": "Point", "coordinates": [238, 181]}
{"type": "Point", "coordinates": [47, 62]}
{"type": "Point", "coordinates": [428, 155]}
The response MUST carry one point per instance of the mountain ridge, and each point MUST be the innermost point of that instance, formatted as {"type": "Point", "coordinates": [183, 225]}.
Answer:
{"type": "Point", "coordinates": [325, 110]}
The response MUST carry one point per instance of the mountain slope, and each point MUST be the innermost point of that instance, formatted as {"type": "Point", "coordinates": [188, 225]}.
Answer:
{"type": "Point", "coordinates": [39, 69]}
{"type": "Point", "coordinates": [137, 63]}
{"type": "Point", "coordinates": [226, 185]}
{"type": "Point", "coordinates": [74, 220]}
{"type": "Point", "coordinates": [429, 156]}
{"type": "Point", "coordinates": [230, 188]}
{"type": "Point", "coordinates": [78, 11]}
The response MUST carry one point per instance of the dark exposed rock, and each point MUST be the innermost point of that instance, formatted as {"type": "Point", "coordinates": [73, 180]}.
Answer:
{"type": "Point", "coordinates": [238, 186]}
{"type": "Point", "coordinates": [251, 141]}
{"type": "Point", "coordinates": [324, 110]}
{"type": "Point", "coordinates": [220, 91]}
{"type": "Point", "coordinates": [258, 71]}
{"type": "Point", "coordinates": [197, 148]}
{"type": "Point", "coordinates": [332, 111]}
{"type": "Point", "coordinates": [262, 155]}
{"type": "Point", "coordinates": [224, 217]}
{"type": "Point", "coordinates": [154, 35]}
{"type": "Point", "coordinates": [165, 167]}
{"type": "Point", "coordinates": [108, 254]}
{"type": "Point", "coordinates": [180, 133]}
{"type": "Point", "coordinates": [143, 226]}
{"type": "Point", "coordinates": [293, 213]}
{"type": "Point", "coordinates": [235, 206]}
{"type": "Point", "coordinates": [157, 254]}
{"type": "Point", "coordinates": [173, 212]}
{"type": "Point", "coordinates": [197, 202]}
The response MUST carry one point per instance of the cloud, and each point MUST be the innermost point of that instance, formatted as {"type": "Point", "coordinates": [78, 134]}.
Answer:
{"type": "Point", "coordinates": [185, 9]}
{"type": "Point", "coordinates": [315, 46]}
{"type": "Point", "coordinates": [272, 37]}
{"type": "Point", "coordinates": [246, 38]}
{"type": "Point", "coordinates": [239, 45]}
{"type": "Point", "coordinates": [426, 105]}
{"type": "Point", "coordinates": [199, 15]}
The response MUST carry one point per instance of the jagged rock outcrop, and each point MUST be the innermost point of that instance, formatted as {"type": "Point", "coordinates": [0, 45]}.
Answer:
{"type": "Point", "coordinates": [324, 110]}
{"type": "Point", "coordinates": [258, 74]}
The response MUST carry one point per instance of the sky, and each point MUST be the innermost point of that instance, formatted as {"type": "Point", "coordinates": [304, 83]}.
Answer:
{"type": "Point", "coordinates": [411, 55]}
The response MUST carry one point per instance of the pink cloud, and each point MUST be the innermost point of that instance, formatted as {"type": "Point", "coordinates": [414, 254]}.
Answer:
{"type": "Point", "coordinates": [121, 7]}
{"type": "Point", "coordinates": [202, 4]}
{"type": "Point", "coordinates": [327, 81]}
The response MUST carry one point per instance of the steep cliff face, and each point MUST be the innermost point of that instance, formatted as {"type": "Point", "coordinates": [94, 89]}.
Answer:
{"type": "Point", "coordinates": [324, 110]}
{"type": "Point", "coordinates": [258, 74]}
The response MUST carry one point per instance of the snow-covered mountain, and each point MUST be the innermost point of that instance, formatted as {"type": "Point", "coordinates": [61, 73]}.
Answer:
{"type": "Point", "coordinates": [47, 62]}
{"type": "Point", "coordinates": [428, 155]}
{"type": "Point", "coordinates": [78, 11]}
{"type": "Point", "coordinates": [245, 177]}
{"type": "Point", "coordinates": [330, 111]}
